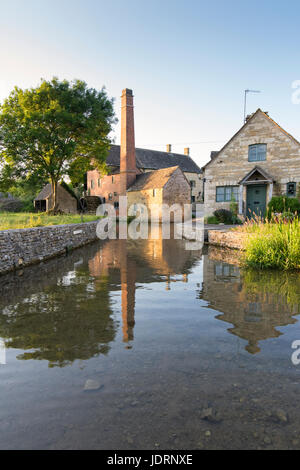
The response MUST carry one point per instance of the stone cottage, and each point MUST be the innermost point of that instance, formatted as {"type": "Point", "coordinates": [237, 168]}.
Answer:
{"type": "Point", "coordinates": [260, 161]}
{"type": "Point", "coordinates": [66, 202]}
{"type": "Point", "coordinates": [154, 189]}
{"type": "Point", "coordinates": [126, 164]}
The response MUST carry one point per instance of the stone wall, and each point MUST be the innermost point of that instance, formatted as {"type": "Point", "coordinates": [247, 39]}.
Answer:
{"type": "Point", "coordinates": [19, 248]}
{"type": "Point", "coordinates": [148, 199]}
{"type": "Point", "coordinates": [227, 239]}
{"type": "Point", "coordinates": [176, 191]}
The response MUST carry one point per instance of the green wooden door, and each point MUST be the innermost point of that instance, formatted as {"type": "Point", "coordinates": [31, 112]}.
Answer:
{"type": "Point", "coordinates": [256, 200]}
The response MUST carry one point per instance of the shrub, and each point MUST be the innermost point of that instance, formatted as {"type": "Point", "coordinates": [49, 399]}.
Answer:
{"type": "Point", "coordinates": [11, 205]}
{"type": "Point", "coordinates": [234, 207]}
{"type": "Point", "coordinates": [281, 204]}
{"type": "Point", "coordinates": [212, 219]}
{"type": "Point", "coordinates": [224, 216]}
{"type": "Point", "coordinates": [236, 220]}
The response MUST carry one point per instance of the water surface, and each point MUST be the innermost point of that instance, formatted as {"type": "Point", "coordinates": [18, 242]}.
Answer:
{"type": "Point", "coordinates": [184, 351]}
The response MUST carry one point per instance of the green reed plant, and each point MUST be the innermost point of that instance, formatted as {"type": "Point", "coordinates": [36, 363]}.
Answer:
{"type": "Point", "coordinates": [272, 244]}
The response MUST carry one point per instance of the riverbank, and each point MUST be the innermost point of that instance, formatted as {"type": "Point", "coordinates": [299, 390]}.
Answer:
{"type": "Point", "coordinates": [274, 244]}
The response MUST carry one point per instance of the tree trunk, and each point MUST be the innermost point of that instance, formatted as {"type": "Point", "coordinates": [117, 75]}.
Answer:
{"type": "Point", "coordinates": [54, 192]}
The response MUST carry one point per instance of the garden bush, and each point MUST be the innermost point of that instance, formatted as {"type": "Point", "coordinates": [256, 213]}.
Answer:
{"type": "Point", "coordinates": [224, 216]}
{"type": "Point", "coordinates": [283, 204]}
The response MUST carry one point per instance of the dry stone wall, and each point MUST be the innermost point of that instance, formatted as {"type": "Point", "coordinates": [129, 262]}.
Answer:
{"type": "Point", "coordinates": [19, 248]}
{"type": "Point", "coordinates": [227, 239]}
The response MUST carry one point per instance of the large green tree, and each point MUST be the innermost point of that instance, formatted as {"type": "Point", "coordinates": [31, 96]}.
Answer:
{"type": "Point", "coordinates": [58, 129]}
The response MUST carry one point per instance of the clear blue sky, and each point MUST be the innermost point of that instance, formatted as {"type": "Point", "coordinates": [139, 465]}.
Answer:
{"type": "Point", "coordinates": [187, 61]}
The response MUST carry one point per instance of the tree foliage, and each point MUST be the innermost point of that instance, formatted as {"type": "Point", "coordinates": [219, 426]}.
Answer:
{"type": "Point", "coordinates": [58, 129]}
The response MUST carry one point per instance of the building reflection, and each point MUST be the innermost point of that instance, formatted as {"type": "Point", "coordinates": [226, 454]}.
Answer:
{"type": "Point", "coordinates": [62, 311]}
{"type": "Point", "coordinates": [256, 303]}
{"type": "Point", "coordinates": [139, 262]}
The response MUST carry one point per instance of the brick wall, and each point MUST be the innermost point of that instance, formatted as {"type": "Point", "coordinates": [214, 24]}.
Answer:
{"type": "Point", "coordinates": [104, 186]}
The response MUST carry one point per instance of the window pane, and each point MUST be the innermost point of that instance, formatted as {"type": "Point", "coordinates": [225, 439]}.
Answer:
{"type": "Point", "coordinates": [261, 152]}
{"type": "Point", "coordinates": [252, 153]}
{"type": "Point", "coordinates": [220, 194]}
{"type": "Point", "coordinates": [257, 152]}
{"type": "Point", "coordinates": [228, 190]}
{"type": "Point", "coordinates": [235, 193]}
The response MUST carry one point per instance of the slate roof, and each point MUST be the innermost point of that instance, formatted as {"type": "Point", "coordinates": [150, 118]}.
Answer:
{"type": "Point", "coordinates": [155, 160]}
{"type": "Point", "coordinates": [153, 179]}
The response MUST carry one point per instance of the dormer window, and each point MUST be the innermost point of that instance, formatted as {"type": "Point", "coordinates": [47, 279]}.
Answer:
{"type": "Point", "coordinates": [257, 153]}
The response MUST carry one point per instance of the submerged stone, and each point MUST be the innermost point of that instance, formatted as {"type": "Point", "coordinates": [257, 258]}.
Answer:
{"type": "Point", "coordinates": [92, 385]}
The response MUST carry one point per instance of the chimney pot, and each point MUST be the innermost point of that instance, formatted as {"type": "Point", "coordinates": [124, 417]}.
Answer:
{"type": "Point", "coordinates": [187, 151]}
{"type": "Point", "coordinates": [169, 148]}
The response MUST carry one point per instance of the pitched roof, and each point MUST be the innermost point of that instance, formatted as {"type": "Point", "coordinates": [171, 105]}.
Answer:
{"type": "Point", "coordinates": [155, 160]}
{"type": "Point", "coordinates": [243, 127]}
{"type": "Point", "coordinates": [153, 179]}
{"type": "Point", "coordinates": [259, 170]}
{"type": "Point", "coordinates": [45, 193]}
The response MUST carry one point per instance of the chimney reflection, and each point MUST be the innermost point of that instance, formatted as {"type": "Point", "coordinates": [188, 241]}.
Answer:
{"type": "Point", "coordinates": [128, 262]}
{"type": "Point", "coordinates": [128, 282]}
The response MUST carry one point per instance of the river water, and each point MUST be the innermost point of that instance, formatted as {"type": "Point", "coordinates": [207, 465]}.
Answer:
{"type": "Point", "coordinates": [147, 345]}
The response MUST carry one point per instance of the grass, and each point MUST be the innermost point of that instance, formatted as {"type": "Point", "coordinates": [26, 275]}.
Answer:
{"type": "Point", "coordinates": [10, 220]}
{"type": "Point", "coordinates": [212, 220]}
{"type": "Point", "coordinates": [272, 244]}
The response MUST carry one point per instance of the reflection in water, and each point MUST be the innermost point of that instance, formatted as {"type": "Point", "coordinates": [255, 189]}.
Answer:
{"type": "Point", "coordinates": [255, 302]}
{"type": "Point", "coordinates": [139, 262]}
{"type": "Point", "coordinates": [70, 317]}
{"type": "Point", "coordinates": [134, 313]}
{"type": "Point", "coordinates": [67, 320]}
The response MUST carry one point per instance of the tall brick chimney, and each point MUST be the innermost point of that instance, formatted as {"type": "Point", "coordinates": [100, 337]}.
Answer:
{"type": "Point", "coordinates": [169, 148]}
{"type": "Point", "coordinates": [127, 157]}
{"type": "Point", "coordinates": [187, 151]}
